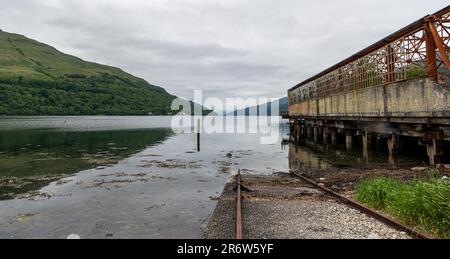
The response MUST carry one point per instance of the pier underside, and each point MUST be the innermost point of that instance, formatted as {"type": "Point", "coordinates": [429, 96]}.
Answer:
{"type": "Point", "coordinates": [397, 87]}
{"type": "Point", "coordinates": [416, 108]}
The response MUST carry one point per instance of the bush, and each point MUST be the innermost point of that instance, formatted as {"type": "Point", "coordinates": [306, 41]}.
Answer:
{"type": "Point", "coordinates": [415, 71]}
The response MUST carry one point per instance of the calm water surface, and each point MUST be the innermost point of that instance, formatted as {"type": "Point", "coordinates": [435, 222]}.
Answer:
{"type": "Point", "coordinates": [120, 177]}
{"type": "Point", "coordinates": [131, 177]}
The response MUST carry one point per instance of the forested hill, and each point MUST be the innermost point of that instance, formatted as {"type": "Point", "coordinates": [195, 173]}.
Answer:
{"type": "Point", "coordinates": [37, 79]}
{"type": "Point", "coordinates": [282, 108]}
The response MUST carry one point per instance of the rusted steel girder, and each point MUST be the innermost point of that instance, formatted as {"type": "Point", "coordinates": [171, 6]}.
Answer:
{"type": "Point", "coordinates": [439, 43]}
{"type": "Point", "coordinates": [431, 49]}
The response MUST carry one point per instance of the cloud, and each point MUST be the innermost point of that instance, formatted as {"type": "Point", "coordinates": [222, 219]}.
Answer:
{"type": "Point", "coordinates": [224, 47]}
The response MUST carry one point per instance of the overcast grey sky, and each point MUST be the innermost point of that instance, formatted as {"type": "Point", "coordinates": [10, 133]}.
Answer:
{"type": "Point", "coordinates": [227, 48]}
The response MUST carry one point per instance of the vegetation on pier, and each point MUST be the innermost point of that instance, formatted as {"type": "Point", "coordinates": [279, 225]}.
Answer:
{"type": "Point", "coordinates": [420, 203]}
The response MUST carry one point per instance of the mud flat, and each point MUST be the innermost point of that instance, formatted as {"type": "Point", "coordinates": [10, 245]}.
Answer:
{"type": "Point", "coordinates": [279, 206]}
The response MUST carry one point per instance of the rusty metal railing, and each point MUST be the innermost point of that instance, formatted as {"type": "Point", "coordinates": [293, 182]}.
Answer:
{"type": "Point", "coordinates": [421, 49]}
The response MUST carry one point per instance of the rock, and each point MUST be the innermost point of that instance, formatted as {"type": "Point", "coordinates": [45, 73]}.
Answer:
{"type": "Point", "coordinates": [24, 217]}
{"type": "Point", "coordinates": [373, 236]}
{"type": "Point", "coordinates": [443, 168]}
{"type": "Point", "coordinates": [214, 198]}
{"type": "Point", "coordinates": [419, 168]}
{"type": "Point", "coordinates": [73, 236]}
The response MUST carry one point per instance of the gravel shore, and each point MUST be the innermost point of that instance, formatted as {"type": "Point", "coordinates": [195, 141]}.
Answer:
{"type": "Point", "coordinates": [282, 207]}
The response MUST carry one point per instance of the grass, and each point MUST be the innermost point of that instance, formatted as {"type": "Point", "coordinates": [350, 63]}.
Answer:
{"type": "Point", "coordinates": [420, 203]}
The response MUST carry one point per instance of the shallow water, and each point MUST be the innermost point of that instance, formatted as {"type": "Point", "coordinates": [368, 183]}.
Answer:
{"type": "Point", "coordinates": [132, 177]}
{"type": "Point", "coordinates": [124, 178]}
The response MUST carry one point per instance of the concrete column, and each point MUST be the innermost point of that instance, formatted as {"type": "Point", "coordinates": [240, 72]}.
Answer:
{"type": "Point", "coordinates": [366, 141]}
{"type": "Point", "coordinates": [434, 151]}
{"type": "Point", "coordinates": [292, 135]}
{"type": "Point", "coordinates": [325, 135]}
{"type": "Point", "coordinates": [392, 142]}
{"type": "Point", "coordinates": [333, 137]}
{"type": "Point", "coordinates": [309, 132]}
{"type": "Point", "coordinates": [316, 134]}
{"type": "Point", "coordinates": [349, 139]}
{"type": "Point", "coordinates": [291, 130]}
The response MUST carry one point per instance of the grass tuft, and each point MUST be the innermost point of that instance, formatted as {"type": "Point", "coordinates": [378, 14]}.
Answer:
{"type": "Point", "coordinates": [420, 203]}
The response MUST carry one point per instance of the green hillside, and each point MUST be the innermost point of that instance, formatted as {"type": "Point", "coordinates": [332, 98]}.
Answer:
{"type": "Point", "coordinates": [37, 79]}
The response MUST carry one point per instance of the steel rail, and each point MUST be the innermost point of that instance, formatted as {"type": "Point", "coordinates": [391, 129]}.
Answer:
{"type": "Point", "coordinates": [239, 226]}
{"type": "Point", "coordinates": [368, 211]}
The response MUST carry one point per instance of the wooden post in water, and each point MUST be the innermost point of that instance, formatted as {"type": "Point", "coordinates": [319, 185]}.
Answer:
{"type": "Point", "coordinates": [198, 135]}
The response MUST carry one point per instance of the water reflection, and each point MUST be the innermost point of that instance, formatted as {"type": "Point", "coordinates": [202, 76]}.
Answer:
{"type": "Point", "coordinates": [30, 159]}
{"type": "Point", "coordinates": [309, 154]}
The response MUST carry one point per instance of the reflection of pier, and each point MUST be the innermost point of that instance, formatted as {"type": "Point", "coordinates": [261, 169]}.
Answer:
{"type": "Point", "coordinates": [300, 158]}
{"type": "Point", "coordinates": [394, 89]}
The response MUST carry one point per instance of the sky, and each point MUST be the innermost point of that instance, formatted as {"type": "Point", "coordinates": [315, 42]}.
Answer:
{"type": "Point", "coordinates": [227, 48]}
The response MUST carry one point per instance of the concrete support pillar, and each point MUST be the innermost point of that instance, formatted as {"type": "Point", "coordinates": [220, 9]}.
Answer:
{"type": "Point", "coordinates": [292, 134]}
{"type": "Point", "coordinates": [333, 137]}
{"type": "Point", "coordinates": [349, 139]}
{"type": "Point", "coordinates": [433, 142]}
{"type": "Point", "coordinates": [434, 151]}
{"type": "Point", "coordinates": [325, 135]}
{"type": "Point", "coordinates": [393, 144]}
{"type": "Point", "coordinates": [316, 134]}
{"type": "Point", "coordinates": [366, 142]}
{"type": "Point", "coordinates": [309, 132]}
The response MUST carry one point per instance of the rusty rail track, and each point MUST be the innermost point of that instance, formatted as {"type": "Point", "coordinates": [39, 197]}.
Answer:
{"type": "Point", "coordinates": [368, 211]}
{"type": "Point", "coordinates": [239, 226]}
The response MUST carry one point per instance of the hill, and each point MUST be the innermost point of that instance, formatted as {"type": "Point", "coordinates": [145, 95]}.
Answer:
{"type": "Point", "coordinates": [37, 79]}
{"type": "Point", "coordinates": [283, 107]}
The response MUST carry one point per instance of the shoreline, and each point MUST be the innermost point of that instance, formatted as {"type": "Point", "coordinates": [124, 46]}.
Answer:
{"type": "Point", "coordinates": [280, 206]}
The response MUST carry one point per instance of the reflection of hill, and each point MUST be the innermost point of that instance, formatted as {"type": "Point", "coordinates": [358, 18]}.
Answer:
{"type": "Point", "coordinates": [30, 159]}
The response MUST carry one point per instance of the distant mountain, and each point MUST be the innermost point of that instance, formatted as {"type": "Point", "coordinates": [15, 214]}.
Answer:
{"type": "Point", "coordinates": [37, 79]}
{"type": "Point", "coordinates": [283, 107]}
